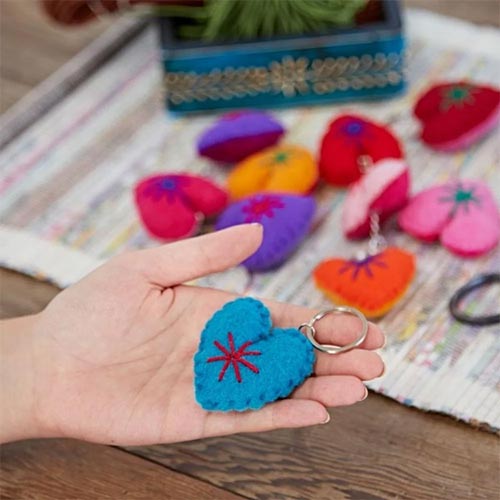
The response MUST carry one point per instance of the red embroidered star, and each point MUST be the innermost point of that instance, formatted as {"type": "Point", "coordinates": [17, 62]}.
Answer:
{"type": "Point", "coordinates": [260, 207]}
{"type": "Point", "coordinates": [233, 357]}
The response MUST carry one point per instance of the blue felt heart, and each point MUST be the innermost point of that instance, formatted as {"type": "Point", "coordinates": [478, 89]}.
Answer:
{"type": "Point", "coordinates": [243, 363]}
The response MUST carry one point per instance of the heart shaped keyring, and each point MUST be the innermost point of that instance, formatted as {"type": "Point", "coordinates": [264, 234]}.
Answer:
{"type": "Point", "coordinates": [310, 330]}
{"type": "Point", "coordinates": [244, 362]}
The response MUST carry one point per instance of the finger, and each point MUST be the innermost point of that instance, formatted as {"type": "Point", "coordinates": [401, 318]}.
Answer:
{"type": "Point", "coordinates": [186, 260]}
{"type": "Point", "coordinates": [335, 390]}
{"type": "Point", "coordinates": [359, 363]}
{"type": "Point", "coordinates": [282, 414]}
{"type": "Point", "coordinates": [337, 329]}
{"type": "Point", "coordinates": [333, 329]}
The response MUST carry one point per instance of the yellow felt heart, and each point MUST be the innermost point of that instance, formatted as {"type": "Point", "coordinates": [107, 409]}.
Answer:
{"type": "Point", "coordinates": [373, 284]}
{"type": "Point", "coordinates": [281, 169]}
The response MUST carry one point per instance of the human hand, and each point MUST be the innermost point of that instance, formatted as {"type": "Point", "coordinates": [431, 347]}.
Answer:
{"type": "Point", "coordinates": [110, 359]}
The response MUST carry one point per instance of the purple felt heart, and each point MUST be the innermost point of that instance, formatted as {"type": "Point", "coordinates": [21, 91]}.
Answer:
{"type": "Point", "coordinates": [286, 220]}
{"type": "Point", "coordinates": [237, 135]}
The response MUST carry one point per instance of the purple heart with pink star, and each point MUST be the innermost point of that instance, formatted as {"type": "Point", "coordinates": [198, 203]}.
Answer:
{"type": "Point", "coordinates": [286, 220]}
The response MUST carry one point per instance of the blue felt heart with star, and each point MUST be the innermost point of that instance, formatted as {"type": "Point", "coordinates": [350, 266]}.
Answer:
{"type": "Point", "coordinates": [243, 362]}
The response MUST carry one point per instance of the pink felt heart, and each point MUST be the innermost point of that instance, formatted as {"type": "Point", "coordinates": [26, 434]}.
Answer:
{"type": "Point", "coordinates": [382, 190]}
{"type": "Point", "coordinates": [462, 214]}
{"type": "Point", "coordinates": [173, 206]}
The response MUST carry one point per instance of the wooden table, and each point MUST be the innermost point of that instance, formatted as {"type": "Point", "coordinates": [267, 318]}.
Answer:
{"type": "Point", "coordinates": [376, 449]}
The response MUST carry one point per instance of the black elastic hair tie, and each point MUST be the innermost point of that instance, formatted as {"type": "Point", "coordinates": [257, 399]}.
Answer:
{"type": "Point", "coordinates": [476, 282]}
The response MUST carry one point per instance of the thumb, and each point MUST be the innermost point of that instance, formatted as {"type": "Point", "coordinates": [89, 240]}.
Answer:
{"type": "Point", "coordinates": [185, 260]}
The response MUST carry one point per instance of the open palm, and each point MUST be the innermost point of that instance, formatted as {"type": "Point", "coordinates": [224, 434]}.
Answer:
{"type": "Point", "coordinates": [113, 356]}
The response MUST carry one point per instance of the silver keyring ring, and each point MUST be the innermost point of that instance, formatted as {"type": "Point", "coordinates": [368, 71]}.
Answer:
{"type": "Point", "coordinates": [335, 349]}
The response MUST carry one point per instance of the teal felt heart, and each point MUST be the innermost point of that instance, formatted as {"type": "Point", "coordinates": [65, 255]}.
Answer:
{"type": "Point", "coordinates": [243, 362]}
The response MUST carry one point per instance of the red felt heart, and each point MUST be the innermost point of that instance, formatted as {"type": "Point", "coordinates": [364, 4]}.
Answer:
{"type": "Point", "coordinates": [347, 140]}
{"type": "Point", "coordinates": [457, 114]}
{"type": "Point", "coordinates": [173, 206]}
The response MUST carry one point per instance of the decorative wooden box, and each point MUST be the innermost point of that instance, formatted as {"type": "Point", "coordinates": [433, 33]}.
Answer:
{"type": "Point", "coordinates": [364, 62]}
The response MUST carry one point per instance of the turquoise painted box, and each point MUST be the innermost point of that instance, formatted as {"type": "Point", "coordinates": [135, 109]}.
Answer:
{"type": "Point", "coordinates": [364, 62]}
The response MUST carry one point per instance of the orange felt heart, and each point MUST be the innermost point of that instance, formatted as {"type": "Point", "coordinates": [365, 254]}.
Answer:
{"type": "Point", "coordinates": [280, 169]}
{"type": "Point", "coordinates": [372, 285]}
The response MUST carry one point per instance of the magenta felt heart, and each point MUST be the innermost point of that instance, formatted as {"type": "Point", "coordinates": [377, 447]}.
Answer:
{"type": "Point", "coordinates": [462, 214]}
{"type": "Point", "coordinates": [382, 190]}
{"type": "Point", "coordinates": [173, 206]}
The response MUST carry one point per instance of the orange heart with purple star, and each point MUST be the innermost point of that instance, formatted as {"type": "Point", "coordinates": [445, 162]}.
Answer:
{"type": "Point", "coordinates": [372, 284]}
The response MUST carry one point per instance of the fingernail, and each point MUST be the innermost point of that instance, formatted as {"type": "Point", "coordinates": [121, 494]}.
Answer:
{"type": "Point", "coordinates": [385, 342]}
{"type": "Point", "coordinates": [327, 419]}
{"type": "Point", "coordinates": [365, 395]}
{"type": "Point", "coordinates": [383, 371]}
{"type": "Point", "coordinates": [255, 224]}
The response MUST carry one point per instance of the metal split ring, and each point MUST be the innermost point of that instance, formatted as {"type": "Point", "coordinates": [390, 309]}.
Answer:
{"type": "Point", "coordinates": [310, 330]}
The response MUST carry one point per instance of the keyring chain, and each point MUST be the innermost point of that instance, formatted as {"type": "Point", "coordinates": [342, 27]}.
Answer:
{"type": "Point", "coordinates": [377, 242]}
{"type": "Point", "coordinates": [365, 162]}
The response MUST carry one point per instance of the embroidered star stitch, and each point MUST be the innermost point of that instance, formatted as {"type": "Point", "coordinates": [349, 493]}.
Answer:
{"type": "Point", "coordinates": [259, 207]}
{"type": "Point", "coordinates": [460, 197]}
{"type": "Point", "coordinates": [458, 95]}
{"type": "Point", "coordinates": [356, 266]}
{"type": "Point", "coordinates": [233, 357]}
{"type": "Point", "coordinates": [169, 187]}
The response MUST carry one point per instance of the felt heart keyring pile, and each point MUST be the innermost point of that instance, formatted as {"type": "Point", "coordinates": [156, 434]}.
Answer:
{"type": "Point", "coordinates": [379, 185]}
{"type": "Point", "coordinates": [243, 362]}
{"type": "Point", "coordinates": [272, 182]}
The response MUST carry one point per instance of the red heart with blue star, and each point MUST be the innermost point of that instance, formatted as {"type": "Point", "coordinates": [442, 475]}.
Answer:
{"type": "Point", "coordinates": [350, 139]}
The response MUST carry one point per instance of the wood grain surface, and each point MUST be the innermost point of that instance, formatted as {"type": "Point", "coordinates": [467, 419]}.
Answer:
{"type": "Point", "coordinates": [476, 11]}
{"type": "Point", "coordinates": [32, 47]}
{"type": "Point", "coordinates": [376, 449]}
{"type": "Point", "coordinates": [44, 470]}
{"type": "Point", "coordinates": [21, 294]}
